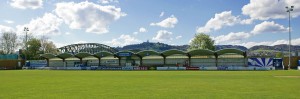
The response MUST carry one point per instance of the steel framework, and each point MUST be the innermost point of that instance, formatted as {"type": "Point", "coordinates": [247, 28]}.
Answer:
{"type": "Point", "coordinates": [91, 48]}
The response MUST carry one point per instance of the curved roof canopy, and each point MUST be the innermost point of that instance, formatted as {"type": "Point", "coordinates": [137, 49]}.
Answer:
{"type": "Point", "coordinates": [125, 53]}
{"type": "Point", "coordinates": [172, 52]}
{"type": "Point", "coordinates": [198, 52]}
{"type": "Point", "coordinates": [86, 47]}
{"type": "Point", "coordinates": [64, 55]}
{"type": "Point", "coordinates": [82, 55]}
{"type": "Point", "coordinates": [103, 54]}
{"type": "Point", "coordinates": [227, 51]}
{"type": "Point", "coordinates": [201, 52]}
{"type": "Point", "coordinates": [48, 56]}
{"type": "Point", "coordinates": [147, 53]}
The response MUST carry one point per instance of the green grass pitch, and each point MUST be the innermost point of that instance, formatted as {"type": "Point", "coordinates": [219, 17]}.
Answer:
{"type": "Point", "coordinates": [44, 84]}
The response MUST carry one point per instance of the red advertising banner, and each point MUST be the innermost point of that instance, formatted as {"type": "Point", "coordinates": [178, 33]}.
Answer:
{"type": "Point", "coordinates": [192, 68]}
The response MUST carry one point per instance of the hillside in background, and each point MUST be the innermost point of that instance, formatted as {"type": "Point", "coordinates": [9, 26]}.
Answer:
{"type": "Point", "coordinates": [163, 47]}
{"type": "Point", "coordinates": [219, 47]}
{"type": "Point", "coordinates": [282, 47]}
{"type": "Point", "coordinates": [152, 46]}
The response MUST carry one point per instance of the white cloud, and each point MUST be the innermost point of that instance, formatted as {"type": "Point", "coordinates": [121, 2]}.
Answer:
{"type": "Point", "coordinates": [271, 43]}
{"type": "Point", "coordinates": [270, 9]}
{"type": "Point", "coordinates": [67, 33]}
{"type": "Point", "coordinates": [231, 38]}
{"type": "Point", "coordinates": [247, 21]}
{"type": "Point", "coordinates": [268, 27]}
{"type": "Point", "coordinates": [221, 19]}
{"type": "Point", "coordinates": [86, 15]}
{"type": "Point", "coordinates": [178, 37]}
{"type": "Point", "coordinates": [142, 30]}
{"type": "Point", "coordinates": [135, 33]}
{"type": "Point", "coordinates": [162, 14]}
{"type": "Point", "coordinates": [163, 35]}
{"type": "Point", "coordinates": [122, 41]}
{"type": "Point", "coordinates": [264, 27]}
{"type": "Point", "coordinates": [48, 24]}
{"type": "Point", "coordinates": [79, 42]}
{"type": "Point", "coordinates": [9, 21]}
{"type": "Point", "coordinates": [6, 29]}
{"type": "Point", "coordinates": [169, 22]}
{"type": "Point", "coordinates": [295, 41]}
{"type": "Point", "coordinates": [24, 4]}
{"type": "Point", "coordinates": [59, 44]}
{"type": "Point", "coordinates": [108, 1]}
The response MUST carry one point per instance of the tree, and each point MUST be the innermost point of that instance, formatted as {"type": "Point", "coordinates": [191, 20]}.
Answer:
{"type": "Point", "coordinates": [202, 41]}
{"type": "Point", "coordinates": [33, 49]}
{"type": "Point", "coordinates": [279, 55]}
{"type": "Point", "coordinates": [1, 52]}
{"type": "Point", "coordinates": [47, 46]}
{"type": "Point", "coordinates": [23, 40]}
{"type": "Point", "coordinates": [9, 42]}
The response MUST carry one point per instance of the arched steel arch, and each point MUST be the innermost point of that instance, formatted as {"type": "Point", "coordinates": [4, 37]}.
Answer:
{"type": "Point", "coordinates": [86, 47]}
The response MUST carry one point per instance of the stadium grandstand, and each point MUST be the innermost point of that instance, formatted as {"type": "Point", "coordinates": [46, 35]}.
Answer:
{"type": "Point", "coordinates": [93, 54]}
{"type": "Point", "coordinates": [99, 56]}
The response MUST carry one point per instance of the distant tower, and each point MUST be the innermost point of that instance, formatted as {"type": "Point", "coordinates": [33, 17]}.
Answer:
{"type": "Point", "coordinates": [147, 41]}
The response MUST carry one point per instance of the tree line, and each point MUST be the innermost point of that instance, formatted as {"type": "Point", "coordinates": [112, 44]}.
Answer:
{"type": "Point", "coordinates": [30, 49]}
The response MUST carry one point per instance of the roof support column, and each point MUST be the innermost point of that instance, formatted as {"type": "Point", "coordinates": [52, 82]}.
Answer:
{"type": "Point", "coordinates": [119, 58]}
{"type": "Point", "coordinates": [216, 57]}
{"type": "Point", "coordinates": [47, 59]}
{"type": "Point", "coordinates": [99, 61]}
{"type": "Point", "coordinates": [80, 60]}
{"type": "Point", "coordinates": [164, 60]}
{"type": "Point", "coordinates": [189, 60]}
{"type": "Point", "coordinates": [141, 61]}
{"type": "Point", "coordinates": [64, 61]}
{"type": "Point", "coordinates": [245, 58]}
{"type": "Point", "coordinates": [216, 61]}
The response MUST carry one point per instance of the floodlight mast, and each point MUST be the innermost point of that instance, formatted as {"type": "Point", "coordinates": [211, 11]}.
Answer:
{"type": "Point", "coordinates": [289, 9]}
{"type": "Point", "coordinates": [26, 30]}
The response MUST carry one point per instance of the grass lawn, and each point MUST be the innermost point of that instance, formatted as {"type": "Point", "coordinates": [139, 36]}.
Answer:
{"type": "Point", "coordinates": [43, 84]}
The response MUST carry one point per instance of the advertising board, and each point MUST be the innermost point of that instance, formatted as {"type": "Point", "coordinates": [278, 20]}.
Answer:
{"type": "Point", "coordinates": [222, 67]}
{"type": "Point", "coordinates": [140, 68]}
{"type": "Point", "coordinates": [208, 68]}
{"type": "Point", "coordinates": [94, 67]}
{"type": "Point", "coordinates": [171, 68]}
{"type": "Point", "coordinates": [181, 68]}
{"type": "Point", "coordinates": [277, 63]}
{"type": "Point", "coordinates": [37, 63]}
{"type": "Point", "coordinates": [192, 68]}
{"type": "Point", "coordinates": [127, 68]}
{"type": "Point", "coordinates": [260, 62]}
{"type": "Point", "coordinates": [162, 68]}
{"type": "Point", "coordinates": [109, 68]}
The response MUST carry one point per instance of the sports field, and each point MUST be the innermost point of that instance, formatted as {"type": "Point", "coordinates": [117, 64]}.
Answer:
{"type": "Point", "coordinates": [43, 84]}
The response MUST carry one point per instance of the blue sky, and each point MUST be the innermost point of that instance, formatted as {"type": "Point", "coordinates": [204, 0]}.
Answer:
{"type": "Point", "coordinates": [122, 22]}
